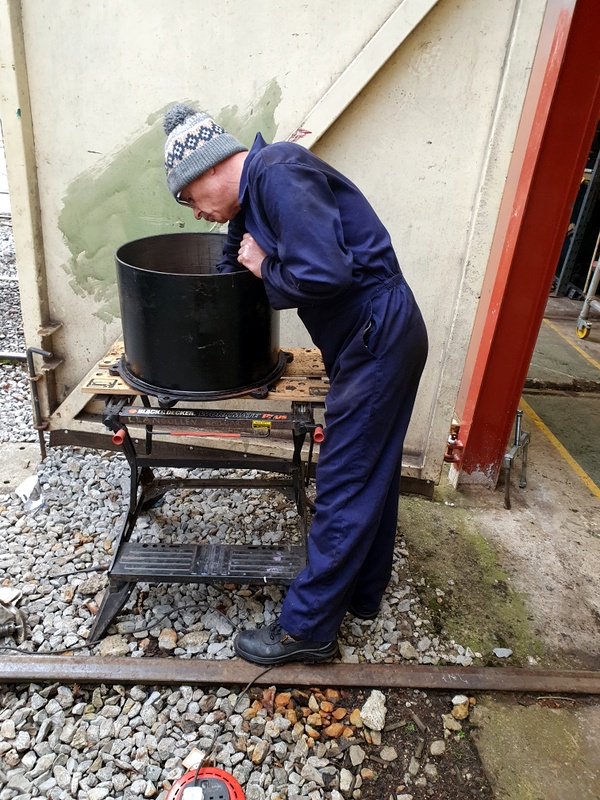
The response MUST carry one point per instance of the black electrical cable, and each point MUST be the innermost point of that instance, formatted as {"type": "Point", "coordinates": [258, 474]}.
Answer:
{"type": "Point", "coordinates": [210, 750]}
{"type": "Point", "coordinates": [8, 649]}
{"type": "Point", "coordinates": [95, 568]}
{"type": "Point", "coordinates": [152, 624]}
{"type": "Point", "coordinates": [197, 771]}
{"type": "Point", "coordinates": [147, 627]}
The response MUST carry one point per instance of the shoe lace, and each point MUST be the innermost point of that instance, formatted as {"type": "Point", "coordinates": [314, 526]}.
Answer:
{"type": "Point", "coordinates": [276, 632]}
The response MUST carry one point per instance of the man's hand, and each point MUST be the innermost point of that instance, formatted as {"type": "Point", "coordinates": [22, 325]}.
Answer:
{"type": "Point", "coordinates": [251, 255]}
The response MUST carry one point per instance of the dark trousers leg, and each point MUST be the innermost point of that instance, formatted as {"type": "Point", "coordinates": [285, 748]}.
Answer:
{"type": "Point", "coordinates": [368, 410]}
{"type": "Point", "coordinates": [376, 570]}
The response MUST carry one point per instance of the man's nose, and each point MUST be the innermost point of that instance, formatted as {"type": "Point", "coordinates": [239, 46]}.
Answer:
{"type": "Point", "coordinates": [197, 213]}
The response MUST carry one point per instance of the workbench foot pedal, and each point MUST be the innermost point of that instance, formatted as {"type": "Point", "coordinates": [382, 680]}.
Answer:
{"type": "Point", "coordinates": [208, 563]}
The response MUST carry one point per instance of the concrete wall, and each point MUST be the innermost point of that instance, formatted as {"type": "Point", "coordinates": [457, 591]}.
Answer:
{"type": "Point", "coordinates": [429, 140]}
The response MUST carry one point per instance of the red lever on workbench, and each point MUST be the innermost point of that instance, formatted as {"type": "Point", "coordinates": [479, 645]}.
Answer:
{"type": "Point", "coordinates": [119, 436]}
{"type": "Point", "coordinates": [318, 434]}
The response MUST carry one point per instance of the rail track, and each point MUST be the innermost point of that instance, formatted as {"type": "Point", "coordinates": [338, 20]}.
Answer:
{"type": "Point", "coordinates": [164, 671]}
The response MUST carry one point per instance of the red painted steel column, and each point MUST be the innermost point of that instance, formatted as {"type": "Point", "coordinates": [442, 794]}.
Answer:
{"type": "Point", "coordinates": [559, 118]}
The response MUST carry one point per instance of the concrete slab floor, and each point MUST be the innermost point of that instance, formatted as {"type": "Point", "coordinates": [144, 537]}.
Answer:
{"type": "Point", "coordinates": [561, 360]}
{"type": "Point", "coordinates": [573, 419]}
{"type": "Point", "coordinates": [557, 364]}
{"type": "Point", "coordinates": [563, 383]}
{"type": "Point", "coordinates": [18, 460]}
{"type": "Point", "coordinates": [549, 545]}
{"type": "Point", "coordinates": [532, 752]}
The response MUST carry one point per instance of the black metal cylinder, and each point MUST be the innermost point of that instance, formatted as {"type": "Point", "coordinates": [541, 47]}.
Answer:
{"type": "Point", "coordinates": [189, 330]}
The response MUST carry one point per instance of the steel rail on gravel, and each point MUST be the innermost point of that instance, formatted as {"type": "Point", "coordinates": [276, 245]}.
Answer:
{"type": "Point", "coordinates": [159, 671]}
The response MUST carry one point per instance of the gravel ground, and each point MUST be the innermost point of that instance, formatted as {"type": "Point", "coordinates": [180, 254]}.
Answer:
{"type": "Point", "coordinates": [90, 743]}
{"type": "Point", "coordinates": [15, 413]}
{"type": "Point", "coordinates": [11, 333]}
{"type": "Point", "coordinates": [51, 549]}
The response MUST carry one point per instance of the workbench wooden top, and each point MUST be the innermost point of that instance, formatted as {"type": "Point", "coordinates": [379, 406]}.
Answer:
{"type": "Point", "coordinates": [304, 378]}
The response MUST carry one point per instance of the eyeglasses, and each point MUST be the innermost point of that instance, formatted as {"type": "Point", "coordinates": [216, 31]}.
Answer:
{"type": "Point", "coordinates": [183, 202]}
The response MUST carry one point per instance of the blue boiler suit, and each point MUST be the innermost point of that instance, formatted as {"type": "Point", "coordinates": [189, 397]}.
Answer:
{"type": "Point", "coordinates": [329, 256]}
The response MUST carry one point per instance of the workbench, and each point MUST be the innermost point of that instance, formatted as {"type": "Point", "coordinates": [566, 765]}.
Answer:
{"type": "Point", "coordinates": [284, 410]}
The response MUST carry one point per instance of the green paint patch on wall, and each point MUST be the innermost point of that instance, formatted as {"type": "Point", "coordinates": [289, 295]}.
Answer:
{"type": "Point", "coordinates": [125, 197]}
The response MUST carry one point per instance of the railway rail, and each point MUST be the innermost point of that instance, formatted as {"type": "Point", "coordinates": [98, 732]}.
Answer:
{"type": "Point", "coordinates": [163, 671]}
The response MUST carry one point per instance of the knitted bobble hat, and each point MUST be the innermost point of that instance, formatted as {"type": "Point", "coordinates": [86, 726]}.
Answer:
{"type": "Point", "coordinates": [195, 143]}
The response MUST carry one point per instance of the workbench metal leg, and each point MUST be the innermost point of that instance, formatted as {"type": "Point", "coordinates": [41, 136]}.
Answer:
{"type": "Point", "coordinates": [112, 603]}
{"type": "Point", "coordinates": [149, 428]}
{"type": "Point", "coordinates": [119, 591]}
{"type": "Point", "coordinates": [299, 482]}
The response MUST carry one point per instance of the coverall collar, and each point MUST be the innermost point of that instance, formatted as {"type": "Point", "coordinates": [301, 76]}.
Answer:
{"type": "Point", "coordinates": [257, 146]}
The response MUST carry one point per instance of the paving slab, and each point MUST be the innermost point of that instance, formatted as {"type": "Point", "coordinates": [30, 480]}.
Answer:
{"type": "Point", "coordinates": [533, 752]}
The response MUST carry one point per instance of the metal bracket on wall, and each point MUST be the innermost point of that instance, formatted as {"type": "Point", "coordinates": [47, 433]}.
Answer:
{"type": "Point", "coordinates": [39, 423]}
{"type": "Point", "coordinates": [520, 447]}
{"type": "Point", "coordinates": [49, 328]}
{"type": "Point", "coordinates": [51, 362]}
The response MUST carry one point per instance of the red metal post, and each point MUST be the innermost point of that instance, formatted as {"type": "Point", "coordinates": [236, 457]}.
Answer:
{"type": "Point", "coordinates": [559, 118]}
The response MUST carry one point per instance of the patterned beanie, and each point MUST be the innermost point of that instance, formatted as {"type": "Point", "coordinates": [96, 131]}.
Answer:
{"type": "Point", "coordinates": [195, 143]}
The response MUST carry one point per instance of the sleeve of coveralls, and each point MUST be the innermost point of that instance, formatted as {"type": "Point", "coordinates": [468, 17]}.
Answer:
{"type": "Point", "coordinates": [312, 262]}
{"type": "Point", "coordinates": [229, 260]}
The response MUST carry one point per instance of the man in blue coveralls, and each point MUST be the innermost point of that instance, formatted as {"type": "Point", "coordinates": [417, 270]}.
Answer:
{"type": "Point", "coordinates": [317, 244]}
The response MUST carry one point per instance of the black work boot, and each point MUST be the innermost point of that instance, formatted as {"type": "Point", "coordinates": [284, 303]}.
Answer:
{"type": "Point", "coordinates": [363, 613]}
{"type": "Point", "coordinates": [271, 645]}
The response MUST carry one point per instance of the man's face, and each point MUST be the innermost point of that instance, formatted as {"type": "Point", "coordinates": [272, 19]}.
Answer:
{"type": "Point", "coordinates": [211, 196]}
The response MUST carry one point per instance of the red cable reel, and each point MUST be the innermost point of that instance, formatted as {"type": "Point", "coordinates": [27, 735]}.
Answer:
{"type": "Point", "coordinates": [208, 783]}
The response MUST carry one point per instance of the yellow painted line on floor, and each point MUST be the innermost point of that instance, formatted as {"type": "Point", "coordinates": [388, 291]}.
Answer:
{"type": "Point", "coordinates": [581, 352]}
{"type": "Point", "coordinates": [577, 469]}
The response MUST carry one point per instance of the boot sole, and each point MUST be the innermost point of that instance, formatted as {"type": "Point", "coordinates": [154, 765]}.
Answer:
{"type": "Point", "coordinates": [363, 614]}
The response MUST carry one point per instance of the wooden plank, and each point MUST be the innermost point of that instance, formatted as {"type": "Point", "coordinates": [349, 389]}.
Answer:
{"type": "Point", "coordinates": [306, 362]}
{"type": "Point", "coordinates": [100, 381]}
{"type": "Point", "coordinates": [112, 356]}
